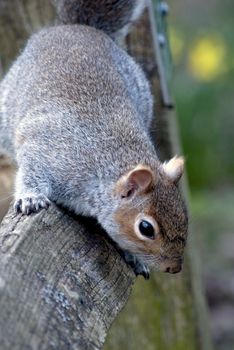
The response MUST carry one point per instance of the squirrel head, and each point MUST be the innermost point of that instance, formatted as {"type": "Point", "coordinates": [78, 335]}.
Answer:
{"type": "Point", "coordinates": [151, 216]}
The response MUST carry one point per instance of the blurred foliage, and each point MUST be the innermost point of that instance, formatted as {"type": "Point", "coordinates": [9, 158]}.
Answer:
{"type": "Point", "coordinates": [218, 231]}
{"type": "Point", "coordinates": [203, 51]}
{"type": "Point", "coordinates": [201, 35]}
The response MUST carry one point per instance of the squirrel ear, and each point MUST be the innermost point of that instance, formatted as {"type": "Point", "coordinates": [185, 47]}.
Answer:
{"type": "Point", "coordinates": [174, 168]}
{"type": "Point", "coordinates": [138, 179]}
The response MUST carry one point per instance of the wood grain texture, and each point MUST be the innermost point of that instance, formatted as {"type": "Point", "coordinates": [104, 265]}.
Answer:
{"type": "Point", "coordinates": [62, 283]}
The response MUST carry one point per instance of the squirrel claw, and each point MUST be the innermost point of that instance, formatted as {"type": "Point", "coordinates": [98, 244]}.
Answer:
{"type": "Point", "coordinates": [31, 204]}
{"type": "Point", "coordinates": [141, 269]}
{"type": "Point", "coordinates": [137, 266]}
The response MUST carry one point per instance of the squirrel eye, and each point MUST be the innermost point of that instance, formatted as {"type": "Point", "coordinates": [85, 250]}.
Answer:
{"type": "Point", "coordinates": [146, 229]}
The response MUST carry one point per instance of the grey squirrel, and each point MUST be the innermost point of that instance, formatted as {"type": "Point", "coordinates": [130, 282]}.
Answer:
{"type": "Point", "coordinates": [75, 114]}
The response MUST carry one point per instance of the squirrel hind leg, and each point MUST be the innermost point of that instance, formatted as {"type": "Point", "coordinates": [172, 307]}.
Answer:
{"type": "Point", "coordinates": [30, 196]}
{"type": "Point", "coordinates": [136, 265]}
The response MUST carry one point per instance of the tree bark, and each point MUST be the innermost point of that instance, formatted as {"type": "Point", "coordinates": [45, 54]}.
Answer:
{"type": "Point", "coordinates": [62, 282]}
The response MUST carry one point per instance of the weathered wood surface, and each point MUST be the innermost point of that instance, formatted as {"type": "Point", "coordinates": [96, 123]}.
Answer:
{"type": "Point", "coordinates": [61, 282]}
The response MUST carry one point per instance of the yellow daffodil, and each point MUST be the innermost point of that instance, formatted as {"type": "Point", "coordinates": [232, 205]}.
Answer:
{"type": "Point", "coordinates": [206, 59]}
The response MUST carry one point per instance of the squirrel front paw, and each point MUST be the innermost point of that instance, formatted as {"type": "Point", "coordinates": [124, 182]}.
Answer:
{"type": "Point", "coordinates": [141, 269]}
{"type": "Point", "coordinates": [31, 203]}
{"type": "Point", "coordinates": [138, 267]}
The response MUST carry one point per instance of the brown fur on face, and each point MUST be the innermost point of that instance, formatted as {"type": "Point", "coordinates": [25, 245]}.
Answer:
{"type": "Point", "coordinates": [165, 205]}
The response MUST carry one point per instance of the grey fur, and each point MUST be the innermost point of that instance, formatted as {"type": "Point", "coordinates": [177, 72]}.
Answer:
{"type": "Point", "coordinates": [113, 16]}
{"type": "Point", "coordinates": [75, 116]}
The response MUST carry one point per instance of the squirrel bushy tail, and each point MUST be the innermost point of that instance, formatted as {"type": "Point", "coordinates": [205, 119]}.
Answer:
{"type": "Point", "coordinates": [111, 16]}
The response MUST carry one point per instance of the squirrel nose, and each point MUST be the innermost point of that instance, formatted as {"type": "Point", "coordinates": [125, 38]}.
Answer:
{"type": "Point", "coordinates": [174, 266]}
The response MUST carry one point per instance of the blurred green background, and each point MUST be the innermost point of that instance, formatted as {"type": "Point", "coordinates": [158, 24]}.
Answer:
{"type": "Point", "coordinates": [202, 42]}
